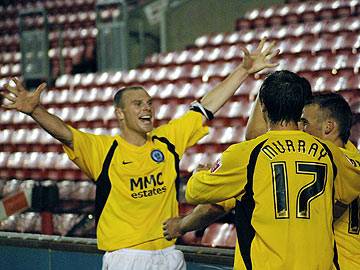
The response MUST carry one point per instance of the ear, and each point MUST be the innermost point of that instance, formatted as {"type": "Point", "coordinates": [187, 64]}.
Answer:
{"type": "Point", "coordinates": [330, 127]}
{"type": "Point", "coordinates": [119, 113]}
{"type": "Point", "coordinates": [263, 108]}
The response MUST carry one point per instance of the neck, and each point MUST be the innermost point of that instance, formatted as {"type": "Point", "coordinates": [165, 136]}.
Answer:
{"type": "Point", "coordinates": [283, 126]}
{"type": "Point", "coordinates": [338, 142]}
{"type": "Point", "coordinates": [133, 137]}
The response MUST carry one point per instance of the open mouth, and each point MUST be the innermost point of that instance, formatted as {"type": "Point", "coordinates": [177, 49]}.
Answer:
{"type": "Point", "coordinates": [146, 119]}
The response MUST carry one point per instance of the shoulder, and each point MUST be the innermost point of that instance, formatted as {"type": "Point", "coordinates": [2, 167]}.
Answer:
{"type": "Point", "coordinates": [244, 148]}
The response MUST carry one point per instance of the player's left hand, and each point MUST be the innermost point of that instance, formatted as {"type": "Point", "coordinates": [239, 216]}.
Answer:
{"type": "Point", "coordinates": [172, 228]}
{"type": "Point", "coordinates": [260, 58]}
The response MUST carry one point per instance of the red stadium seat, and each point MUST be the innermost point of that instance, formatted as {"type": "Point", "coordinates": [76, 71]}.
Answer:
{"type": "Point", "coordinates": [190, 238]}
{"type": "Point", "coordinates": [6, 135]}
{"type": "Point", "coordinates": [84, 191]}
{"type": "Point", "coordinates": [10, 187]}
{"type": "Point", "coordinates": [66, 189]}
{"type": "Point", "coordinates": [219, 235]}
{"type": "Point", "coordinates": [235, 109]}
{"type": "Point", "coordinates": [9, 224]}
{"type": "Point", "coordinates": [165, 111]}
{"type": "Point", "coordinates": [64, 222]}
{"type": "Point", "coordinates": [353, 83]}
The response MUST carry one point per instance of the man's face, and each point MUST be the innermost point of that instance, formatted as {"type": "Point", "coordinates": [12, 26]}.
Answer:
{"type": "Point", "coordinates": [311, 120]}
{"type": "Point", "coordinates": [137, 112]}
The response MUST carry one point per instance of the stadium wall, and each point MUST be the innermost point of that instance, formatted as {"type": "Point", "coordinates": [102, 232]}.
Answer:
{"type": "Point", "coordinates": [20, 251]}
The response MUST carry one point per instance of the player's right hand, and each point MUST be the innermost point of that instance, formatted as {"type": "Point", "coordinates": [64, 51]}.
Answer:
{"type": "Point", "coordinates": [172, 228]}
{"type": "Point", "coordinates": [21, 99]}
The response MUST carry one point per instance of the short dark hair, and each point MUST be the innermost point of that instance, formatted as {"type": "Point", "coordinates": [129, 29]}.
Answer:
{"type": "Point", "coordinates": [284, 94]}
{"type": "Point", "coordinates": [118, 96]}
{"type": "Point", "coordinates": [336, 107]}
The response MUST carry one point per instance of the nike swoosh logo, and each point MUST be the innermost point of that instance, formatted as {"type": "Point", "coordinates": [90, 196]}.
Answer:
{"type": "Point", "coordinates": [127, 162]}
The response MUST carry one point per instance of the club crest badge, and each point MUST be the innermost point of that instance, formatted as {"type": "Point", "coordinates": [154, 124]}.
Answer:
{"type": "Point", "coordinates": [157, 156]}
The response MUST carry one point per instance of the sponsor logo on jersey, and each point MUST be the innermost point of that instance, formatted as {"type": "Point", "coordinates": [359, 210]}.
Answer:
{"type": "Point", "coordinates": [147, 186]}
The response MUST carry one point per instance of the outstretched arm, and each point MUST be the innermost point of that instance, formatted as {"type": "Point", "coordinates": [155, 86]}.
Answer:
{"type": "Point", "coordinates": [252, 63]}
{"type": "Point", "coordinates": [202, 216]}
{"type": "Point", "coordinates": [28, 103]}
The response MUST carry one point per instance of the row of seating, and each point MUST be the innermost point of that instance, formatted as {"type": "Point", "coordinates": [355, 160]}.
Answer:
{"type": "Point", "coordinates": [30, 222]}
{"type": "Point", "coordinates": [69, 37]}
{"type": "Point", "coordinates": [205, 72]}
{"type": "Point", "coordinates": [88, 85]}
{"type": "Point", "coordinates": [316, 29]}
{"type": "Point", "coordinates": [75, 37]}
{"type": "Point", "coordinates": [74, 18]}
{"type": "Point", "coordinates": [216, 235]}
{"type": "Point", "coordinates": [51, 161]}
{"type": "Point", "coordinates": [50, 5]}
{"type": "Point", "coordinates": [298, 12]}
{"type": "Point", "coordinates": [309, 48]}
{"type": "Point", "coordinates": [211, 48]}
{"type": "Point", "coordinates": [72, 113]}
{"type": "Point", "coordinates": [68, 190]}
{"type": "Point", "coordinates": [30, 139]}
{"type": "Point", "coordinates": [10, 70]}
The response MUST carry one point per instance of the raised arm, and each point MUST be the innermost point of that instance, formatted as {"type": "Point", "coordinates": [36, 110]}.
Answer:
{"type": "Point", "coordinates": [256, 124]}
{"type": "Point", "coordinates": [252, 63]}
{"type": "Point", "coordinates": [28, 103]}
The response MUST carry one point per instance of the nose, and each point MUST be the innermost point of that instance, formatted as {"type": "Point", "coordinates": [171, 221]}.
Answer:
{"type": "Point", "coordinates": [147, 107]}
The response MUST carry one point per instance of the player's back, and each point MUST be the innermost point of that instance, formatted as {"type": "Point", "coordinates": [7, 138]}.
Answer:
{"type": "Point", "coordinates": [284, 220]}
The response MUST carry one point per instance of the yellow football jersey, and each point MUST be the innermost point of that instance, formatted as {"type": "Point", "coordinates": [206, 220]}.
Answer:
{"type": "Point", "coordinates": [228, 205]}
{"type": "Point", "coordinates": [283, 182]}
{"type": "Point", "coordinates": [136, 185]}
{"type": "Point", "coordinates": [347, 227]}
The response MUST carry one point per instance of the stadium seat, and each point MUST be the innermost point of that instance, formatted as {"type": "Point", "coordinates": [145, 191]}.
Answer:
{"type": "Point", "coordinates": [189, 162]}
{"type": "Point", "coordinates": [9, 224]}
{"type": "Point", "coordinates": [190, 238]}
{"type": "Point", "coordinates": [63, 223]}
{"type": "Point", "coordinates": [84, 191]}
{"type": "Point", "coordinates": [219, 235]}
{"type": "Point", "coordinates": [10, 187]}
{"type": "Point", "coordinates": [66, 189]}
{"type": "Point", "coordinates": [28, 222]}
{"type": "Point", "coordinates": [235, 109]}
{"type": "Point", "coordinates": [6, 135]}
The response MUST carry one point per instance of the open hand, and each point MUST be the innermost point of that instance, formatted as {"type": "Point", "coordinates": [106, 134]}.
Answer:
{"type": "Point", "coordinates": [21, 99]}
{"type": "Point", "coordinates": [260, 58]}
